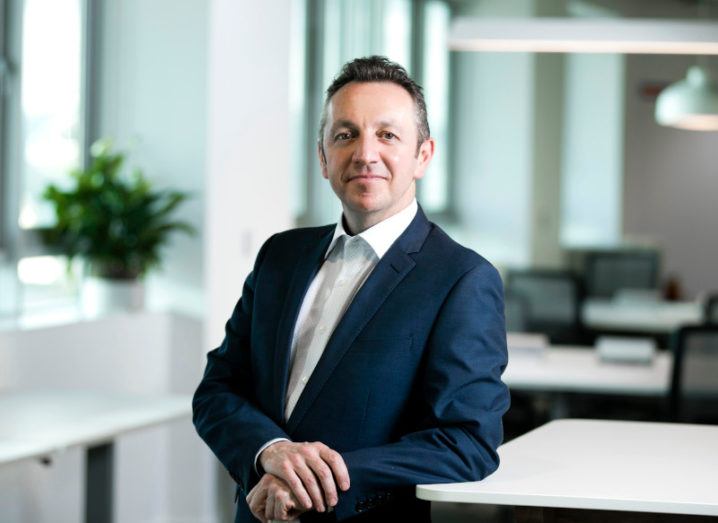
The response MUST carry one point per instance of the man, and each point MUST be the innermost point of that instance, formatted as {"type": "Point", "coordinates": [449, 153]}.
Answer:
{"type": "Point", "coordinates": [378, 339]}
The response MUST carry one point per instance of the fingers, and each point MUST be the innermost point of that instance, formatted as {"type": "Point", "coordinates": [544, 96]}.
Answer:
{"type": "Point", "coordinates": [309, 482]}
{"type": "Point", "coordinates": [256, 502]}
{"type": "Point", "coordinates": [250, 499]}
{"type": "Point", "coordinates": [296, 482]}
{"type": "Point", "coordinates": [312, 470]}
{"type": "Point", "coordinates": [269, 505]}
{"type": "Point", "coordinates": [272, 500]}
{"type": "Point", "coordinates": [339, 468]}
{"type": "Point", "coordinates": [283, 506]}
{"type": "Point", "coordinates": [284, 461]}
{"type": "Point", "coordinates": [324, 474]}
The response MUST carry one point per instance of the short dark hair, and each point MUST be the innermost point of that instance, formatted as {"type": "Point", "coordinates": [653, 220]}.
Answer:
{"type": "Point", "coordinates": [378, 69]}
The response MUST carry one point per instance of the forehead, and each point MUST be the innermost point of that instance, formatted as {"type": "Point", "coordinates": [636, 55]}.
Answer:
{"type": "Point", "coordinates": [366, 101]}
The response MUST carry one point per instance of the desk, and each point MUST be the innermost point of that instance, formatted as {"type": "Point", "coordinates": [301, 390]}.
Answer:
{"type": "Point", "coordinates": [601, 465]}
{"type": "Point", "coordinates": [659, 317]}
{"type": "Point", "coordinates": [579, 369]}
{"type": "Point", "coordinates": [38, 424]}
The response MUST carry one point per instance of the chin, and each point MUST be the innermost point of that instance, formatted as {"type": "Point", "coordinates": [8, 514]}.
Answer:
{"type": "Point", "coordinates": [366, 205]}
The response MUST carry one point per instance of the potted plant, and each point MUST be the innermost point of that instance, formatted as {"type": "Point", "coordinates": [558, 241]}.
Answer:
{"type": "Point", "coordinates": [117, 223]}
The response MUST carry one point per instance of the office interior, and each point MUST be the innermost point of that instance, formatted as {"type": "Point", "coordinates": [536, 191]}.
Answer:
{"type": "Point", "coordinates": [548, 164]}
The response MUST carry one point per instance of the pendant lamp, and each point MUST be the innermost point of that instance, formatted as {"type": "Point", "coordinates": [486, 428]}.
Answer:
{"type": "Point", "coordinates": [691, 103]}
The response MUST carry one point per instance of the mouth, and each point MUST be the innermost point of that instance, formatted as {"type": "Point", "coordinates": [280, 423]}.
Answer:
{"type": "Point", "coordinates": [366, 177]}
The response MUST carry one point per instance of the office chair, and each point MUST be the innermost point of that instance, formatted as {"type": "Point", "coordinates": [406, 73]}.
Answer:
{"type": "Point", "coordinates": [711, 310]}
{"type": "Point", "coordinates": [516, 310]}
{"type": "Point", "coordinates": [694, 385]}
{"type": "Point", "coordinates": [550, 301]}
{"type": "Point", "coordinates": [608, 271]}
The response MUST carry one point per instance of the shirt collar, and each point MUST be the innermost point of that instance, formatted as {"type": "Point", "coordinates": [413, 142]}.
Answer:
{"type": "Point", "coordinates": [380, 236]}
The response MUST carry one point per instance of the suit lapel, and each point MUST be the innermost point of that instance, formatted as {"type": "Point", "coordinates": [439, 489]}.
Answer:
{"type": "Point", "coordinates": [387, 274]}
{"type": "Point", "coordinates": [308, 264]}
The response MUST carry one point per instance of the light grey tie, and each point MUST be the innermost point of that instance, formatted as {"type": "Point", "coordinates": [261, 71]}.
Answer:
{"type": "Point", "coordinates": [345, 270]}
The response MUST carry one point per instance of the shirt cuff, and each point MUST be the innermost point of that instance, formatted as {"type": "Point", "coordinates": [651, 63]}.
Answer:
{"type": "Point", "coordinates": [261, 449]}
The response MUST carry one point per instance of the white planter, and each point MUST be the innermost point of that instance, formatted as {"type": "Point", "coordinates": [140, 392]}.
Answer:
{"type": "Point", "coordinates": [100, 296]}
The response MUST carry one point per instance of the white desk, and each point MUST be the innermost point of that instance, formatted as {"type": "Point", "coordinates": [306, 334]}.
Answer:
{"type": "Point", "coordinates": [579, 369]}
{"type": "Point", "coordinates": [658, 317]}
{"type": "Point", "coordinates": [38, 424]}
{"type": "Point", "coordinates": [602, 465]}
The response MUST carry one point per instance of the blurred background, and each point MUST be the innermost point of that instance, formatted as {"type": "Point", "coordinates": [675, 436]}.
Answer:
{"type": "Point", "coordinates": [551, 165]}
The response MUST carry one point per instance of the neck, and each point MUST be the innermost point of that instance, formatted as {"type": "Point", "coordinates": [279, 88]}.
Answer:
{"type": "Point", "coordinates": [355, 222]}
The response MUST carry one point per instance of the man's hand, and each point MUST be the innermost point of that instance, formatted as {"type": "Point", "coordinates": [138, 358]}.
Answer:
{"type": "Point", "coordinates": [272, 499]}
{"type": "Point", "coordinates": [301, 465]}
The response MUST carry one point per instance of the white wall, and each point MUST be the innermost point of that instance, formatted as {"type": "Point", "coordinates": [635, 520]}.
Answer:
{"type": "Point", "coordinates": [157, 470]}
{"type": "Point", "coordinates": [248, 144]}
{"type": "Point", "coordinates": [153, 100]}
{"type": "Point", "coordinates": [671, 180]}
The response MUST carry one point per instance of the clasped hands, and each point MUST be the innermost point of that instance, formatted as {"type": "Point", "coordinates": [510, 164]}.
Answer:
{"type": "Point", "coordinates": [298, 477]}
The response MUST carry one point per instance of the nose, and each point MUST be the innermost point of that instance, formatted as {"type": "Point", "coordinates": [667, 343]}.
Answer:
{"type": "Point", "coordinates": [366, 150]}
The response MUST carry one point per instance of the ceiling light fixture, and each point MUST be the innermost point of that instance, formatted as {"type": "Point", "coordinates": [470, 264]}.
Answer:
{"type": "Point", "coordinates": [691, 103]}
{"type": "Point", "coordinates": [584, 35]}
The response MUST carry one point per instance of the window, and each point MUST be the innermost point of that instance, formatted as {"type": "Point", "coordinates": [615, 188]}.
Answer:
{"type": "Point", "coordinates": [50, 102]}
{"type": "Point", "coordinates": [434, 189]}
{"type": "Point", "coordinates": [43, 124]}
{"type": "Point", "coordinates": [592, 170]}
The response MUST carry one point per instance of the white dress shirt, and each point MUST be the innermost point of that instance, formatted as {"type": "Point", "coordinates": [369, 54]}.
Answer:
{"type": "Point", "coordinates": [348, 262]}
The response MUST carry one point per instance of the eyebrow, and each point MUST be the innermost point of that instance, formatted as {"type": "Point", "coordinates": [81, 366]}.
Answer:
{"type": "Point", "coordinates": [344, 123]}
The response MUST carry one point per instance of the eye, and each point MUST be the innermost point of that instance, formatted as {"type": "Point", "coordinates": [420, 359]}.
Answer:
{"type": "Point", "coordinates": [388, 135]}
{"type": "Point", "coordinates": [340, 137]}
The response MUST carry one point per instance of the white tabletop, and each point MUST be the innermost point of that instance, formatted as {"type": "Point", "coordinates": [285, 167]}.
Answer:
{"type": "Point", "coordinates": [605, 465]}
{"type": "Point", "coordinates": [34, 424]}
{"type": "Point", "coordinates": [579, 369]}
{"type": "Point", "coordinates": [659, 317]}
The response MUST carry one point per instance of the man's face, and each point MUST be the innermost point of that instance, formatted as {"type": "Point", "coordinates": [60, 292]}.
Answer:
{"type": "Point", "coordinates": [370, 145]}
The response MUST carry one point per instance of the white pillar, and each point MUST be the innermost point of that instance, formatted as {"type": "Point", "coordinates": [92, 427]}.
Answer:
{"type": "Point", "coordinates": [248, 144]}
{"type": "Point", "coordinates": [248, 151]}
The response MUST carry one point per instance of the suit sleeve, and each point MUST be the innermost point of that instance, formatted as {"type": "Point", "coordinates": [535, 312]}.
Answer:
{"type": "Point", "coordinates": [225, 413]}
{"type": "Point", "coordinates": [463, 399]}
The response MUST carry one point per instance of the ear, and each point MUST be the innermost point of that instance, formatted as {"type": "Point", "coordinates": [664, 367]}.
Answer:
{"type": "Point", "coordinates": [322, 159]}
{"type": "Point", "coordinates": [426, 153]}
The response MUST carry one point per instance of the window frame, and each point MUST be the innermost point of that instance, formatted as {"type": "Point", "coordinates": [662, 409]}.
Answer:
{"type": "Point", "coordinates": [9, 118]}
{"type": "Point", "coordinates": [3, 90]}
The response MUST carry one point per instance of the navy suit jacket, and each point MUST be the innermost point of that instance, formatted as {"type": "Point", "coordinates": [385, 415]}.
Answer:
{"type": "Point", "coordinates": [408, 388]}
